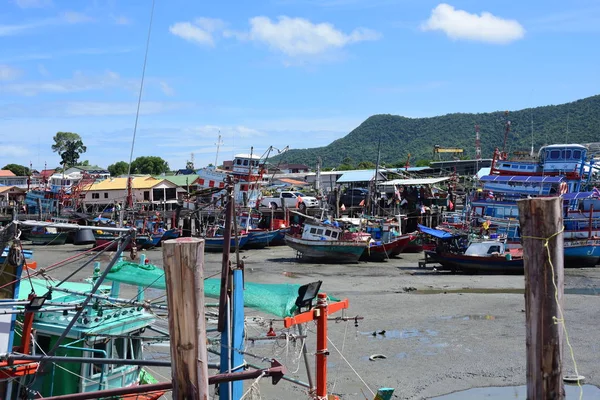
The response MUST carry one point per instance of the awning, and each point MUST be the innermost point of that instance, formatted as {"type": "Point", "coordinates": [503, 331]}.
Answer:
{"type": "Point", "coordinates": [293, 182]}
{"type": "Point", "coordinates": [423, 181]}
{"type": "Point", "coordinates": [581, 195]}
{"type": "Point", "coordinates": [435, 232]}
{"type": "Point", "coordinates": [521, 179]}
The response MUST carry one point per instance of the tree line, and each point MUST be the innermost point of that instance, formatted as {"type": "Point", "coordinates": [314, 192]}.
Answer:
{"type": "Point", "coordinates": [70, 147]}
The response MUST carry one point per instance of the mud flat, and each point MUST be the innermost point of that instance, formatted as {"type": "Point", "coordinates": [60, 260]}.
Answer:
{"type": "Point", "coordinates": [443, 333]}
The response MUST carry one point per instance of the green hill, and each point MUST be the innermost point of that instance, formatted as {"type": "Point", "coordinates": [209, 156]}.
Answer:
{"type": "Point", "coordinates": [418, 136]}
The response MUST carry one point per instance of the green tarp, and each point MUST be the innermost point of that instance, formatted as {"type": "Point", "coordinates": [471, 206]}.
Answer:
{"type": "Point", "coordinates": [276, 299]}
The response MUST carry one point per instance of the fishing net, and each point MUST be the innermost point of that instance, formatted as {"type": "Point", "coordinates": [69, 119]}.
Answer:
{"type": "Point", "coordinates": [275, 299]}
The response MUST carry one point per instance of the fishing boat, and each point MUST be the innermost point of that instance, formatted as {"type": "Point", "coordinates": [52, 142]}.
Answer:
{"type": "Point", "coordinates": [214, 239]}
{"type": "Point", "coordinates": [326, 242]}
{"type": "Point", "coordinates": [258, 237]}
{"type": "Point", "coordinates": [490, 256]}
{"type": "Point", "coordinates": [380, 251]}
{"type": "Point", "coordinates": [47, 236]}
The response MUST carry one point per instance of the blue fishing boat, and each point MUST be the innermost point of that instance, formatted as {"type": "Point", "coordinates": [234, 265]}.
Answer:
{"type": "Point", "coordinates": [259, 238]}
{"type": "Point", "coordinates": [215, 243]}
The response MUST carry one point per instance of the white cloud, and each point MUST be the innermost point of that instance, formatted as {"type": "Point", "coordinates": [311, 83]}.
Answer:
{"type": "Point", "coordinates": [459, 24]}
{"type": "Point", "coordinates": [74, 17]}
{"type": "Point", "coordinates": [78, 83]}
{"type": "Point", "coordinates": [33, 3]}
{"type": "Point", "coordinates": [99, 108]}
{"type": "Point", "coordinates": [121, 20]}
{"type": "Point", "coordinates": [14, 151]}
{"type": "Point", "coordinates": [201, 31]}
{"type": "Point", "coordinates": [42, 70]}
{"type": "Point", "coordinates": [8, 73]}
{"type": "Point", "coordinates": [67, 17]}
{"type": "Point", "coordinates": [300, 37]}
{"type": "Point", "coordinates": [166, 89]}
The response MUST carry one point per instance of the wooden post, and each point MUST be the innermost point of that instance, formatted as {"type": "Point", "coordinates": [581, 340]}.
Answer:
{"type": "Point", "coordinates": [183, 260]}
{"type": "Point", "coordinates": [541, 219]}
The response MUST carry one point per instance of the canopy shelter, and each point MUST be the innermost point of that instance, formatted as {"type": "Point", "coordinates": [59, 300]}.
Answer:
{"type": "Point", "coordinates": [364, 175]}
{"type": "Point", "coordinates": [438, 233]}
{"type": "Point", "coordinates": [581, 195]}
{"type": "Point", "coordinates": [521, 179]}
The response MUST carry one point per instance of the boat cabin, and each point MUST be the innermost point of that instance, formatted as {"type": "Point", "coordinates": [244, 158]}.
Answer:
{"type": "Point", "coordinates": [317, 231]}
{"type": "Point", "coordinates": [486, 248]}
{"type": "Point", "coordinates": [246, 164]}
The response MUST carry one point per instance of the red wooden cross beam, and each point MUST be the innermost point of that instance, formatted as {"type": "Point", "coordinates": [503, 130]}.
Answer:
{"type": "Point", "coordinates": [319, 314]}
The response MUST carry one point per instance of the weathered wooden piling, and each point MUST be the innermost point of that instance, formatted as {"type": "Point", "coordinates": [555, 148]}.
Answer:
{"type": "Point", "coordinates": [541, 225]}
{"type": "Point", "coordinates": [183, 260]}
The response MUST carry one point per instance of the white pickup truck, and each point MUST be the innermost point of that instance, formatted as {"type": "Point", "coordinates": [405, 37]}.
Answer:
{"type": "Point", "coordinates": [291, 200]}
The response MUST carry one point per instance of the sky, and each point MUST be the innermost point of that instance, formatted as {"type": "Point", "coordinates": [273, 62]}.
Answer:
{"type": "Point", "coordinates": [273, 73]}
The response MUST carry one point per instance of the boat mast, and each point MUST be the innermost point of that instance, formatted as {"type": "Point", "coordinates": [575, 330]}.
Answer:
{"type": "Point", "coordinates": [374, 205]}
{"type": "Point", "coordinates": [218, 144]}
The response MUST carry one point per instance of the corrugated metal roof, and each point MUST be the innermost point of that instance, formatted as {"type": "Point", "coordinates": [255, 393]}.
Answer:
{"type": "Point", "coordinates": [180, 180]}
{"type": "Point", "coordinates": [293, 181]}
{"type": "Point", "coordinates": [365, 175]}
{"type": "Point", "coordinates": [138, 182]}
{"type": "Point", "coordinates": [422, 181]}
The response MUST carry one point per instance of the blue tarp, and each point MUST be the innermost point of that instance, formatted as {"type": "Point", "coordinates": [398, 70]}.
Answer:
{"type": "Point", "coordinates": [435, 232]}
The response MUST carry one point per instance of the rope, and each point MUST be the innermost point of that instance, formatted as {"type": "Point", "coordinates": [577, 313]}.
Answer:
{"type": "Point", "coordinates": [137, 114]}
{"type": "Point", "coordinates": [351, 367]}
{"type": "Point", "coordinates": [254, 389]}
{"type": "Point", "coordinates": [560, 320]}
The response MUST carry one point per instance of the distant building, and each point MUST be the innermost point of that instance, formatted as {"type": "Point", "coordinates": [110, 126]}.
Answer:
{"type": "Point", "coordinates": [8, 178]}
{"type": "Point", "coordinates": [290, 168]}
{"type": "Point", "coordinates": [98, 172]}
{"type": "Point", "coordinates": [145, 190]}
{"type": "Point", "coordinates": [227, 166]}
{"type": "Point", "coordinates": [461, 167]}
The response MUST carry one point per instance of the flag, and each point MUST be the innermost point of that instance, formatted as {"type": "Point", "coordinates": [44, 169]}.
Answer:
{"type": "Point", "coordinates": [450, 205]}
{"type": "Point", "coordinates": [397, 192]}
{"type": "Point", "coordinates": [423, 210]}
{"type": "Point", "coordinates": [298, 201]}
{"type": "Point", "coordinates": [343, 207]}
{"type": "Point", "coordinates": [486, 225]}
{"type": "Point", "coordinates": [362, 203]}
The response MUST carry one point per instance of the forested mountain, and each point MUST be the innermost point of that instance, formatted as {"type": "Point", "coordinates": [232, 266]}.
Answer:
{"type": "Point", "coordinates": [417, 136]}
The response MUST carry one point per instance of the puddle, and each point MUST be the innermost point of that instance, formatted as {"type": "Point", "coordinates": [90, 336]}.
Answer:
{"type": "Point", "coordinates": [590, 392]}
{"type": "Point", "coordinates": [403, 334]}
{"type": "Point", "coordinates": [585, 291]}
{"type": "Point", "coordinates": [486, 317]}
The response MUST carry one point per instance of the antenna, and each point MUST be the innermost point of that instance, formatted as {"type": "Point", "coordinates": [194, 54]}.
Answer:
{"type": "Point", "coordinates": [568, 112]}
{"type": "Point", "coordinates": [218, 144]}
{"type": "Point", "coordinates": [506, 131]}
{"type": "Point", "coordinates": [532, 132]}
{"type": "Point", "coordinates": [477, 143]}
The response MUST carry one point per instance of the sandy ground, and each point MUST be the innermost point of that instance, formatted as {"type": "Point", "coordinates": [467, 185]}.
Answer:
{"type": "Point", "coordinates": [438, 339]}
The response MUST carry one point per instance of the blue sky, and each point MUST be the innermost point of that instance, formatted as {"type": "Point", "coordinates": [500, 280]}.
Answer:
{"type": "Point", "coordinates": [298, 73]}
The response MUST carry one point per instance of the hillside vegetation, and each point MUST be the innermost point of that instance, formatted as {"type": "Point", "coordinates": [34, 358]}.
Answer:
{"type": "Point", "coordinates": [417, 136]}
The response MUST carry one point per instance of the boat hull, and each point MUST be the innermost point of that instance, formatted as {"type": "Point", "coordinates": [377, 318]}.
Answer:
{"type": "Point", "coordinates": [327, 250]}
{"type": "Point", "coordinates": [384, 251]}
{"type": "Point", "coordinates": [48, 239]}
{"type": "Point", "coordinates": [216, 243]}
{"type": "Point", "coordinates": [259, 239]}
{"type": "Point", "coordinates": [581, 253]}
{"type": "Point", "coordinates": [476, 264]}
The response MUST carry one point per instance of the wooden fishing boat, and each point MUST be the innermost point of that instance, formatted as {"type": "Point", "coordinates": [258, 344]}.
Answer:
{"type": "Point", "coordinates": [47, 236]}
{"type": "Point", "coordinates": [326, 242]}
{"type": "Point", "coordinates": [259, 238]}
{"type": "Point", "coordinates": [379, 251]}
{"type": "Point", "coordinates": [488, 256]}
{"type": "Point", "coordinates": [216, 243]}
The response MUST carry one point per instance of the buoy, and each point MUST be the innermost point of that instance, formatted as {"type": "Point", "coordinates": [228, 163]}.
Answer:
{"type": "Point", "coordinates": [271, 332]}
{"type": "Point", "coordinates": [573, 378]}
